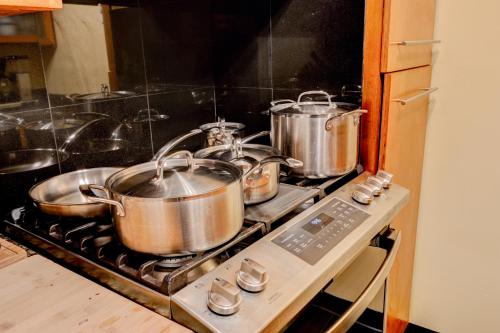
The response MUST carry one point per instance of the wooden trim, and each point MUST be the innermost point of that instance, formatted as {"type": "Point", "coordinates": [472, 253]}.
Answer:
{"type": "Point", "coordinates": [110, 49]}
{"type": "Point", "coordinates": [19, 39]}
{"type": "Point", "coordinates": [396, 325]}
{"type": "Point", "coordinates": [372, 85]}
{"type": "Point", "coordinates": [10, 253]}
{"type": "Point", "coordinates": [49, 34]}
{"type": "Point", "coordinates": [29, 5]}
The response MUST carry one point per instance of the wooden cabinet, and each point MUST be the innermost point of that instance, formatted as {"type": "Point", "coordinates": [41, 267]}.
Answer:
{"type": "Point", "coordinates": [14, 7]}
{"type": "Point", "coordinates": [28, 28]}
{"type": "Point", "coordinates": [407, 37]}
{"type": "Point", "coordinates": [404, 122]}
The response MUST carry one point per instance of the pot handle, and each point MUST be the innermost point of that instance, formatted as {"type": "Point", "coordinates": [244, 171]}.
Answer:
{"type": "Point", "coordinates": [358, 112]}
{"type": "Point", "coordinates": [316, 92]}
{"type": "Point", "coordinates": [174, 142]}
{"type": "Point", "coordinates": [281, 101]}
{"type": "Point", "coordinates": [285, 160]}
{"type": "Point", "coordinates": [255, 136]}
{"type": "Point", "coordinates": [86, 190]}
{"type": "Point", "coordinates": [160, 164]}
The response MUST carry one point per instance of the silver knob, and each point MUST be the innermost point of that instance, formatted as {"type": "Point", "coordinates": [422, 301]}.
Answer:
{"type": "Point", "coordinates": [224, 298]}
{"type": "Point", "coordinates": [377, 183]}
{"type": "Point", "coordinates": [363, 194]}
{"type": "Point", "coordinates": [252, 276]}
{"type": "Point", "coordinates": [386, 177]}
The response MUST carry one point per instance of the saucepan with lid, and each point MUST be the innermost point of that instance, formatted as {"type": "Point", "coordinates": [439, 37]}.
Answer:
{"type": "Point", "coordinates": [175, 204]}
{"type": "Point", "coordinates": [263, 184]}
{"type": "Point", "coordinates": [322, 134]}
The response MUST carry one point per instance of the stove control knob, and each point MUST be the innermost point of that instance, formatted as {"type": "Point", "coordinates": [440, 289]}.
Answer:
{"type": "Point", "coordinates": [252, 276]}
{"type": "Point", "coordinates": [377, 183]}
{"type": "Point", "coordinates": [224, 297]}
{"type": "Point", "coordinates": [363, 194]}
{"type": "Point", "coordinates": [386, 177]}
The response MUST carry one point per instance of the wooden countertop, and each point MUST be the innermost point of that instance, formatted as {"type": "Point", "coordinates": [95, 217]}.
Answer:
{"type": "Point", "coordinates": [10, 253]}
{"type": "Point", "coordinates": [38, 295]}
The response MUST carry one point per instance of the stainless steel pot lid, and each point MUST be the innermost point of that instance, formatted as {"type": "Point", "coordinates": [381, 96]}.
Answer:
{"type": "Point", "coordinates": [180, 178]}
{"type": "Point", "coordinates": [104, 94]}
{"type": "Point", "coordinates": [145, 116]}
{"type": "Point", "coordinates": [230, 152]}
{"type": "Point", "coordinates": [228, 126]}
{"type": "Point", "coordinates": [309, 108]}
{"type": "Point", "coordinates": [57, 124]}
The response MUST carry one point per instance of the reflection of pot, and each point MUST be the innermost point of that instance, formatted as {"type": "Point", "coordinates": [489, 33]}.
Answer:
{"type": "Point", "coordinates": [39, 133]}
{"type": "Point", "coordinates": [139, 127]}
{"type": "Point", "coordinates": [9, 132]}
{"type": "Point", "coordinates": [89, 99]}
{"type": "Point", "coordinates": [21, 169]}
{"type": "Point", "coordinates": [221, 132]}
{"type": "Point", "coordinates": [102, 152]}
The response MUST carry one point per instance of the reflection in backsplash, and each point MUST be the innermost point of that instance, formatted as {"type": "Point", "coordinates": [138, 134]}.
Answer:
{"type": "Point", "coordinates": [109, 85]}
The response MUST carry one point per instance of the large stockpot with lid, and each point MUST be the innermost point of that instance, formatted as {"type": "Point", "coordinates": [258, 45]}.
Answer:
{"type": "Point", "coordinates": [174, 205]}
{"type": "Point", "coordinates": [322, 134]}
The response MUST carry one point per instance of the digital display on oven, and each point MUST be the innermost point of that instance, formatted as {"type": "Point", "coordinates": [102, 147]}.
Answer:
{"type": "Point", "coordinates": [317, 223]}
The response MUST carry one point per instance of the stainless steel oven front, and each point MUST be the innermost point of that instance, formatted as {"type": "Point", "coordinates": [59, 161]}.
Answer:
{"type": "Point", "coordinates": [289, 277]}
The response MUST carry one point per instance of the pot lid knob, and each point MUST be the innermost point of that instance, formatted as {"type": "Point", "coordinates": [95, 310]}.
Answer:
{"type": "Point", "coordinates": [252, 276]}
{"type": "Point", "coordinates": [224, 298]}
{"type": "Point", "coordinates": [386, 177]}
{"type": "Point", "coordinates": [363, 193]}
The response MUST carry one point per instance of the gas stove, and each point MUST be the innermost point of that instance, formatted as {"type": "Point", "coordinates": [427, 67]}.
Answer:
{"type": "Point", "coordinates": [90, 247]}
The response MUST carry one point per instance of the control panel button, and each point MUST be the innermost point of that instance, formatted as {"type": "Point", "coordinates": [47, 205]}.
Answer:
{"type": "Point", "coordinates": [224, 298]}
{"type": "Point", "coordinates": [377, 183]}
{"type": "Point", "coordinates": [363, 194]}
{"type": "Point", "coordinates": [252, 276]}
{"type": "Point", "coordinates": [386, 177]}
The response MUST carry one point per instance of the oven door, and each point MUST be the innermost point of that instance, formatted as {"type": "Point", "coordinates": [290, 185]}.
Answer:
{"type": "Point", "coordinates": [354, 300]}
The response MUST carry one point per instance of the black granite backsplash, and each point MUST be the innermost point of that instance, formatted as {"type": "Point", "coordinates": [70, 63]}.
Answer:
{"type": "Point", "coordinates": [176, 64]}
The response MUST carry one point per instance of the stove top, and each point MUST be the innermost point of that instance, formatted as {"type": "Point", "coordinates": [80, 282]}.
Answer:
{"type": "Point", "coordinates": [90, 246]}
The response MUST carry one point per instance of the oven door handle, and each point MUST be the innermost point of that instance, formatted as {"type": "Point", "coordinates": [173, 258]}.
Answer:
{"type": "Point", "coordinates": [358, 307]}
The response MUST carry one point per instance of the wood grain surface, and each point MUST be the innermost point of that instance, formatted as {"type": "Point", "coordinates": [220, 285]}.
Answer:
{"type": "Point", "coordinates": [38, 295]}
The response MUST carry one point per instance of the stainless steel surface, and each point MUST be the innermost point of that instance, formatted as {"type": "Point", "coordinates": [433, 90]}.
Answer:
{"type": "Point", "coordinates": [29, 159]}
{"type": "Point", "coordinates": [377, 183]}
{"type": "Point", "coordinates": [223, 298]}
{"type": "Point", "coordinates": [416, 42]}
{"type": "Point", "coordinates": [289, 197]}
{"type": "Point", "coordinates": [252, 276]}
{"type": "Point", "coordinates": [261, 184]}
{"type": "Point", "coordinates": [60, 195]}
{"type": "Point", "coordinates": [358, 307]}
{"type": "Point", "coordinates": [194, 206]}
{"type": "Point", "coordinates": [363, 193]}
{"type": "Point", "coordinates": [425, 92]}
{"type": "Point", "coordinates": [386, 177]}
{"type": "Point", "coordinates": [323, 135]}
{"type": "Point", "coordinates": [292, 281]}
{"type": "Point", "coordinates": [221, 132]}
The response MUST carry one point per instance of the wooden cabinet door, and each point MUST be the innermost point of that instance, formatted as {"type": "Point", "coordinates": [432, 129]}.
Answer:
{"type": "Point", "coordinates": [13, 7]}
{"type": "Point", "coordinates": [410, 22]}
{"type": "Point", "coordinates": [402, 152]}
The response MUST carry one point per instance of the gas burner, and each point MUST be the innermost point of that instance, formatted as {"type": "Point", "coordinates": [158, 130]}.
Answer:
{"type": "Point", "coordinates": [170, 262]}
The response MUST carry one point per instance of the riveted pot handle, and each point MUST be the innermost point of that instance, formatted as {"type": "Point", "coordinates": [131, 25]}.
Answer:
{"type": "Point", "coordinates": [316, 92]}
{"type": "Point", "coordinates": [281, 101]}
{"type": "Point", "coordinates": [181, 154]}
{"type": "Point", "coordinates": [358, 112]}
{"type": "Point", "coordinates": [288, 161]}
{"type": "Point", "coordinates": [86, 190]}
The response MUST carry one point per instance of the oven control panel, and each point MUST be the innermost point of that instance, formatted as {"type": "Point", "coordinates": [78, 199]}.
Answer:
{"type": "Point", "coordinates": [265, 285]}
{"type": "Point", "coordinates": [316, 235]}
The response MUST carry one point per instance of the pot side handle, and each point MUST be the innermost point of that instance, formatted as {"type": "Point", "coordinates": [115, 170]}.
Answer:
{"type": "Point", "coordinates": [358, 112]}
{"type": "Point", "coordinates": [86, 190]}
{"type": "Point", "coordinates": [285, 160]}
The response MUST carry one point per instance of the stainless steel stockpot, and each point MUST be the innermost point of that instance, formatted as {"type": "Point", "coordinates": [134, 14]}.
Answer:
{"type": "Point", "coordinates": [174, 205]}
{"type": "Point", "coordinates": [262, 184]}
{"type": "Point", "coordinates": [322, 134]}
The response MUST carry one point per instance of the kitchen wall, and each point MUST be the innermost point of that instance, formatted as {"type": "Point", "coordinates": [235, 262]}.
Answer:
{"type": "Point", "coordinates": [457, 272]}
{"type": "Point", "coordinates": [180, 64]}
